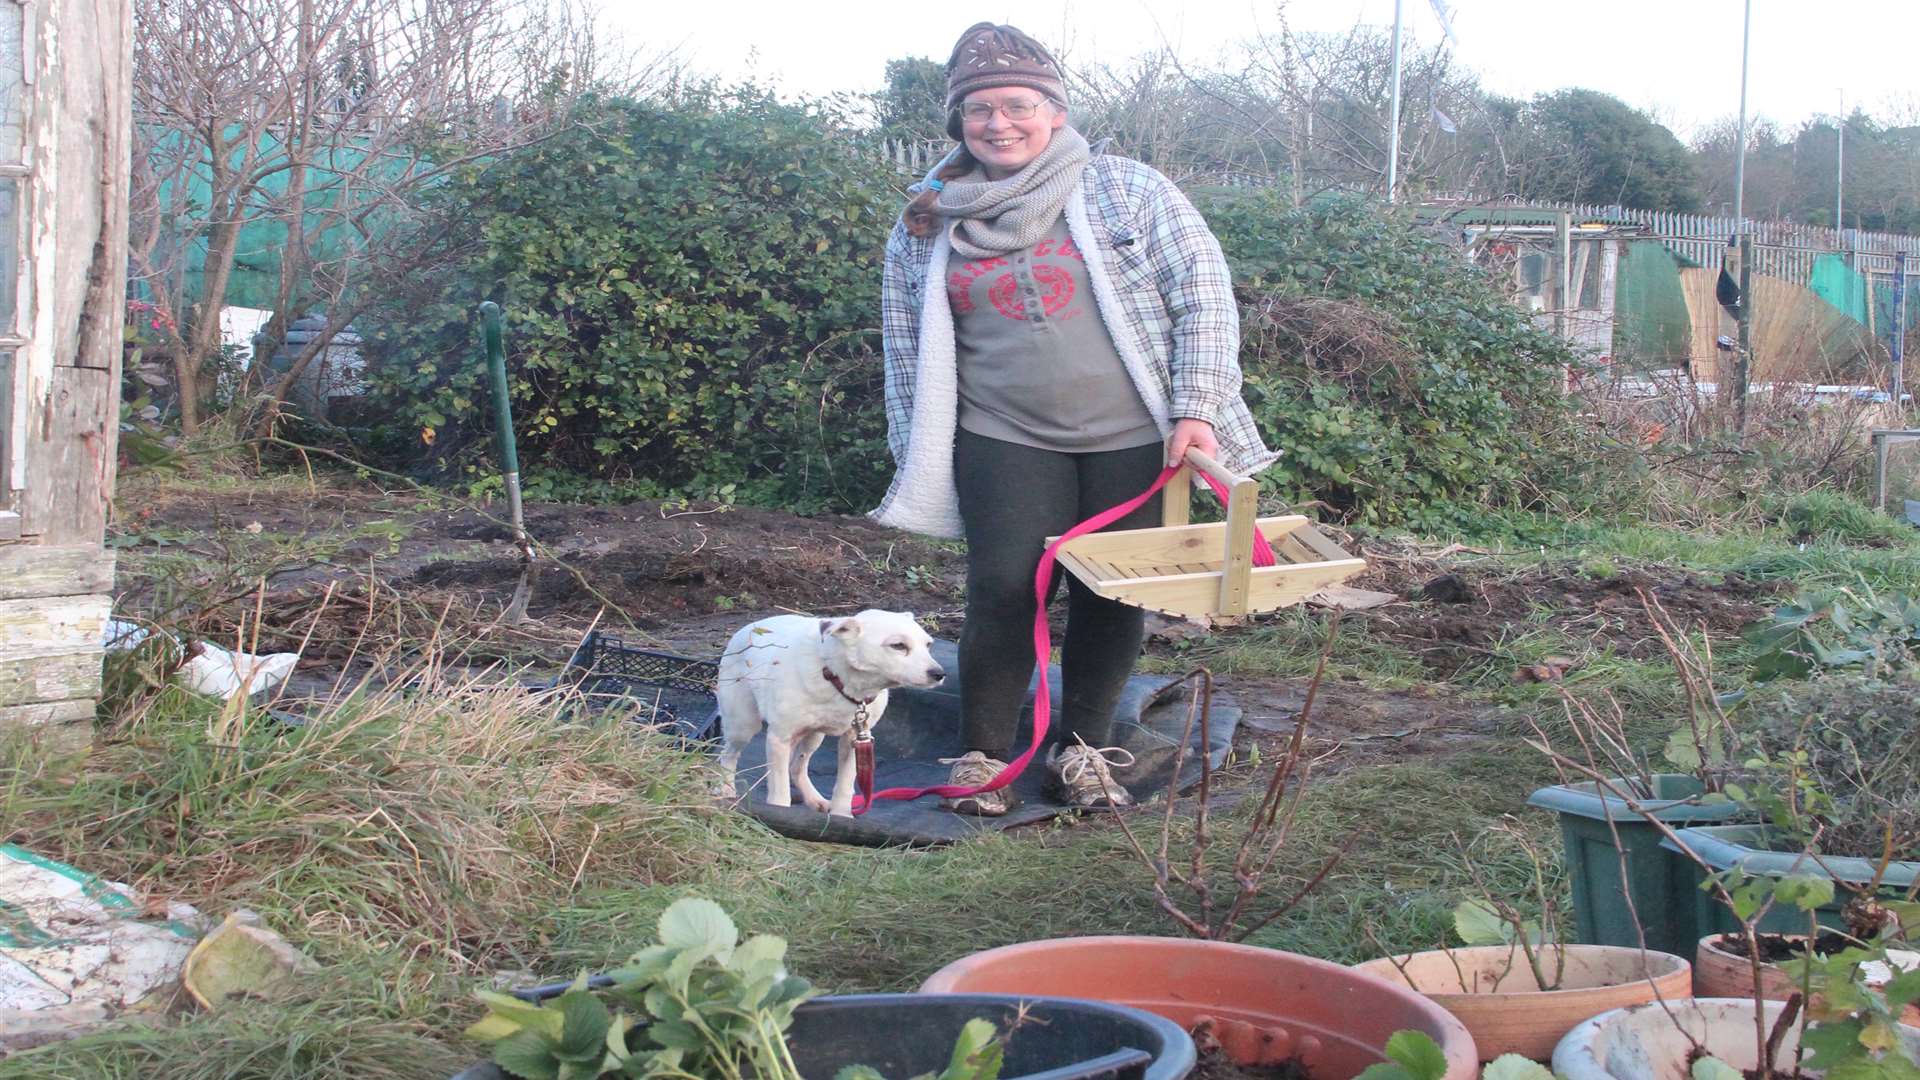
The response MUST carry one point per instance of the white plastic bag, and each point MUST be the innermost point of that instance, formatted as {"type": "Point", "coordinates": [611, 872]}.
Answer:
{"type": "Point", "coordinates": [213, 670]}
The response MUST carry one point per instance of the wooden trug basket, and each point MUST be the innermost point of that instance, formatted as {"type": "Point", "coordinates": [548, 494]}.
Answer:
{"type": "Point", "coordinates": [1199, 571]}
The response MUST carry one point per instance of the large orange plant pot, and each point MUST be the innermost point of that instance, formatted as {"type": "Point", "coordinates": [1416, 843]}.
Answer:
{"type": "Point", "coordinates": [1265, 1005]}
{"type": "Point", "coordinates": [1492, 989]}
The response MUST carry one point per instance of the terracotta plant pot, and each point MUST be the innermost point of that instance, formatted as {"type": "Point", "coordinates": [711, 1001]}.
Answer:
{"type": "Point", "coordinates": [1502, 1003]}
{"type": "Point", "coordinates": [1646, 1042]}
{"type": "Point", "coordinates": [1265, 1005]}
{"type": "Point", "coordinates": [1719, 972]}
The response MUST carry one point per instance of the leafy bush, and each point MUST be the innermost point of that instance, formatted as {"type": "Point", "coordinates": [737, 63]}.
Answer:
{"type": "Point", "coordinates": [692, 294]}
{"type": "Point", "coordinates": [1847, 749]}
{"type": "Point", "coordinates": [693, 288]}
{"type": "Point", "coordinates": [1400, 381]}
{"type": "Point", "coordinates": [1840, 628]}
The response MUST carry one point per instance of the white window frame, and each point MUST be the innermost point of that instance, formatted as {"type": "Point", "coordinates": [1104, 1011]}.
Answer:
{"type": "Point", "coordinates": [19, 337]}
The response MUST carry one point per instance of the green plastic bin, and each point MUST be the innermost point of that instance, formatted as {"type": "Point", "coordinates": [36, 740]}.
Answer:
{"type": "Point", "coordinates": [1747, 846]}
{"type": "Point", "coordinates": [1660, 883]}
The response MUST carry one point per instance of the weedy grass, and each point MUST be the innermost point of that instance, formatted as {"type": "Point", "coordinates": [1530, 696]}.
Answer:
{"type": "Point", "coordinates": [422, 839]}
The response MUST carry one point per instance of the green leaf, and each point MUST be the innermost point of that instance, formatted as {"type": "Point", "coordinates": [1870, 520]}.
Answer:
{"type": "Point", "coordinates": [586, 1023]}
{"type": "Point", "coordinates": [1712, 1068]}
{"type": "Point", "coordinates": [545, 1021]}
{"type": "Point", "coordinates": [1804, 891]}
{"type": "Point", "coordinates": [1829, 1044]}
{"type": "Point", "coordinates": [1680, 751]}
{"type": "Point", "coordinates": [1515, 1067]}
{"type": "Point", "coordinates": [858, 1072]}
{"type": "Point", "coordinates": [676, 1035]}
{"type": "Point", "coordinates": [617, 1048]}
{"type": "Point", "coordinates": [493, 1027]}
{"type": "Point", "coordinates": [1418, 1053]}
{"type": "Point", "coordinates": [643, 967]}
{"type": "Point", "coordinates": [976, 1053]}
{"type": "Point", "coordinates": [527, 1056]}
{"type": "Point", "coordinates": [1902, 990]}
{"type": "Point", "coordinates": [698, 923]}
{"type": "Point", "coordinates": [760, 957]}
{"type": "Point", "coordinates": [1478, 922]}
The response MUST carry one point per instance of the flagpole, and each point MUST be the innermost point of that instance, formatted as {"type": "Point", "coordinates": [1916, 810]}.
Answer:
{"type": "Point", "coordinates": [1393, 129]}
{"type": "Point", "coordinates": [1740, 157]}
{"type": "Point", "coordinates": [1840, 167]}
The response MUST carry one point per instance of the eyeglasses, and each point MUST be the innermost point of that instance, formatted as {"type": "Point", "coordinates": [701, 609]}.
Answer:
{"type": "Point", "coordinates": [979, 112]}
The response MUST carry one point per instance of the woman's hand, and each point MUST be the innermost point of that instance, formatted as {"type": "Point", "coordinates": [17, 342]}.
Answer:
{"type": "Point", "coordinates": [1195, 434]}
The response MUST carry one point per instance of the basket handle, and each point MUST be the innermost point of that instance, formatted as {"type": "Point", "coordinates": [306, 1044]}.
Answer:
{"type": "Point", "coordinates": [1178, 494]}
{"type": "Point", "coordinates": [1243, 507]}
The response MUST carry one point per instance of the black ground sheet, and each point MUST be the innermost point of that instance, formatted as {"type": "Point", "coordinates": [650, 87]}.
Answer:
{"type": "Point", "coordinates": [922, 726]}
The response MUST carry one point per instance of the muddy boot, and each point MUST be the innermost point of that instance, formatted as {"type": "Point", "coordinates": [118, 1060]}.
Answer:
{"type": "Point", "coordinates": [971, 770]}
{"type": "Point", "coordinates": [1084, 775]}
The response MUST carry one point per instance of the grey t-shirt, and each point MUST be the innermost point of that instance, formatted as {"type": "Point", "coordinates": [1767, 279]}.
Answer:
{"type": "Point", "coordinates": [1037, 366]}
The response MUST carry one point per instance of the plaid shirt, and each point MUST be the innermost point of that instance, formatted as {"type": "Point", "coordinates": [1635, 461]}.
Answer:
{"type": "Point", "coordinates": [1166, 297]}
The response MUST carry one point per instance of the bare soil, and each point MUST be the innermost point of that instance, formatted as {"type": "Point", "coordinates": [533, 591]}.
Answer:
{"type": "Point", "coordinates": [1779, 948]}
{"type": "Point", "coordinates": [1214, 1064]}
{"type": "Point", "coordinates": [1456, 618]}
{"type": "Point", "coordinates": [354, 565]}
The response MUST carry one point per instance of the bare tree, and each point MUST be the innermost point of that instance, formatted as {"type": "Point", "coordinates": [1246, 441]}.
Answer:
{"type": "Point", "coordinates": [320, 122]}
{"type": "Point", "coordinates": [1315, 107]}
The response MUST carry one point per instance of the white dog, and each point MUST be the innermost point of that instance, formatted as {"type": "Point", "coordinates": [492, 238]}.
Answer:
{"type": "Point", "coordinates": [804, 679]}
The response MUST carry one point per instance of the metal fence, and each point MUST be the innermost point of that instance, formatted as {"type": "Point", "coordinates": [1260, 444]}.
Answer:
{"type": "Point", "coordinates": [1781, 249]}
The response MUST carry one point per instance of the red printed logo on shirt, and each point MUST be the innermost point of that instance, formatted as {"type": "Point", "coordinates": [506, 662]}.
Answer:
{"type": "Point", "coordinates": [960, 282]}
{"type": "Point", "coordinates": [1056, 292]}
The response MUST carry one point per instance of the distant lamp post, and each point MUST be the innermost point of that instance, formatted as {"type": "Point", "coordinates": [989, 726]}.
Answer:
{"type": "Point", "coordinates": [1840, 166]}
{"type": "Point", "coordinates": [1393, 113]}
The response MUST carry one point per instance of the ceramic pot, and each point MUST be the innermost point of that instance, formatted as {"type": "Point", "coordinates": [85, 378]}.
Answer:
{"type": "Point", "coordinates": [1646, 1042]}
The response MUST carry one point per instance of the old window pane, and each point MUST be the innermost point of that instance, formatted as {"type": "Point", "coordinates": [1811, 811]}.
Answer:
{"type": "Point", "coordinates": [6, 429]}
{"type": "Point", "coordinates": [12, 83]}
{"type": "Point", "coordinates": [9, 253]}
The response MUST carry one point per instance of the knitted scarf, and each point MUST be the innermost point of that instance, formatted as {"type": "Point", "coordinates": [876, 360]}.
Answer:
{"type": "Point", "coordinates": [998, 217]}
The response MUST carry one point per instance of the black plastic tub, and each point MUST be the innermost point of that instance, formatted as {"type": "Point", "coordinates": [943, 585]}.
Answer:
{"type": "Point", "coordinates": [905, 1035]}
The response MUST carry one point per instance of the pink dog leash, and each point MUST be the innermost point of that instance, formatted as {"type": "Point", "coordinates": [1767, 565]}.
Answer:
{"type": "Point", "coordinates": [865, 796]}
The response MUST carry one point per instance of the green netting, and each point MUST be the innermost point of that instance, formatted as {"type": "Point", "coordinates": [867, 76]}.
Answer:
{"type": "Point", "coordinates": [1840, 285]}
{"type": "Point", "coordinates": [1651, 328]}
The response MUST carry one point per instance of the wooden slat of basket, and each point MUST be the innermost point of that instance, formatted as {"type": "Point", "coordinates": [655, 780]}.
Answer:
{"type": "Point", "coordinates": [1090, 571]}
{"type": "Point", "coordinates": [1273, 587]}
{"type": "Point", "coordinates": [1292, 550]}
{"type": "Point", "coordinates": [1168, 546]}
{"type": "Point", "coordinates": [1318, 541]}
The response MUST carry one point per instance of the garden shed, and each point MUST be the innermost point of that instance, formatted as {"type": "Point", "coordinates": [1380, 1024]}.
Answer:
{"type": "Point", "coordinates": [64, 119]}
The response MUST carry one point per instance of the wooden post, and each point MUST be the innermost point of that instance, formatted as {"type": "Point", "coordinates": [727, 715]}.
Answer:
{"type": "Point", "coordinates": [1176, 499]}
{"type": "Point", "coordinates": [1899, 331]}
{"type": "Point", "coordinates": [1562, 270]}
{"type": "Point", "coordinates": [1743, 361]}
{"type": "Point", "coordinates": [1236, 571]}
{"type": "Point", "coordinates": [60, 423]}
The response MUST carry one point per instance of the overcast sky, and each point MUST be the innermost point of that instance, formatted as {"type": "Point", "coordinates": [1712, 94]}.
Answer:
{"type": "Point", "coordinates": [1677, 58]}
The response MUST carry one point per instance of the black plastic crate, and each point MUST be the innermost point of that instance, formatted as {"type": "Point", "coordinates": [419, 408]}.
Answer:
{"type": "Point", "coordinates": [672, 693]}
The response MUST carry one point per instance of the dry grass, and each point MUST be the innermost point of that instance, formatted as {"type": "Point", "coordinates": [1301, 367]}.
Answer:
{"type": "Point", "coordinates": [1679, 454]}
{"type": "Point", "coordinates": [435, 816]}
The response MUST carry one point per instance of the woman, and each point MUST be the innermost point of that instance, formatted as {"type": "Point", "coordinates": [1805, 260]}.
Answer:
{"type": "Point", "coordinates": [1057, 324]}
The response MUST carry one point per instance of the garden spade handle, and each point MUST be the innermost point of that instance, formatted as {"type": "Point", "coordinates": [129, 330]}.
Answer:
{"type": "Point", "coordinates": [492, 323]}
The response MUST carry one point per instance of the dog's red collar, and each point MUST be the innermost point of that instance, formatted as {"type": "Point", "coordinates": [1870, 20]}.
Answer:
{"type": "Point", "coordinates": [834, 681]}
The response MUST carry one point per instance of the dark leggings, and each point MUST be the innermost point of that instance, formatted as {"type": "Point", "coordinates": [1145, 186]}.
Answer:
{"type": "Point", "coordinates": [1012, 498]}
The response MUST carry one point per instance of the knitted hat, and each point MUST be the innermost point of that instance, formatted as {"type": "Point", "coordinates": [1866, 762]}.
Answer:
{"type": "Point", "coordinates": [989, 56]}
